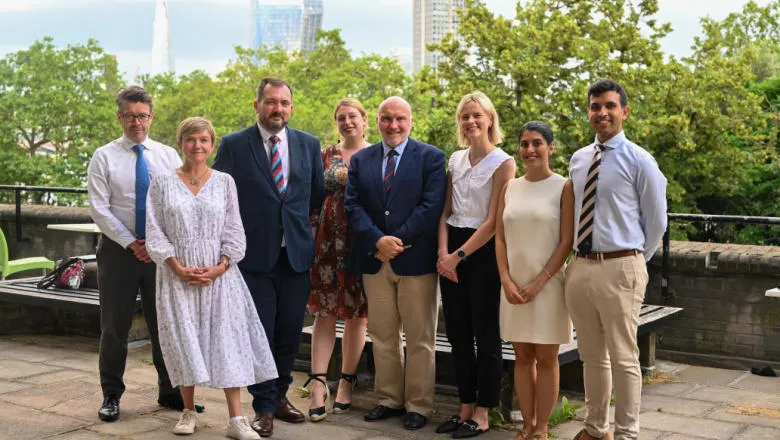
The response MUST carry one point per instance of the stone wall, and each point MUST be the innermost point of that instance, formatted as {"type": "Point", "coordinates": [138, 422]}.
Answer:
{"type": "Point", "coordinates": [728, 320]}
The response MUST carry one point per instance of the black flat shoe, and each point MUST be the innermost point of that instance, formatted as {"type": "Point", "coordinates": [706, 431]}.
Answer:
{"type": "Point", "coordinates": [415, 421]}
{"type": "Point", "coordinates": [318, 414]}
{"type": "Point", "coordinates": [449, 425]}
{"type": "Point", "coordinates": [339, 407]}
{"type": "Point", "coordinates": [175, 402]}
{"type": "Point", "coordinates": [109, 411]}
{"type": "Point", "coordinates": [382, 412]}
{"type": "Point", "coordinates": [467, 429]}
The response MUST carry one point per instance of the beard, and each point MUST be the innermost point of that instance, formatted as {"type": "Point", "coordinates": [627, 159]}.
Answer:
{"type": "Point", "coordinates": [272, 125]}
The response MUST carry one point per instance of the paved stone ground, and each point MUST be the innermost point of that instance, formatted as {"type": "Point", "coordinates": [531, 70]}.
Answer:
{"type": "Point", "coordinates": [49, 390]}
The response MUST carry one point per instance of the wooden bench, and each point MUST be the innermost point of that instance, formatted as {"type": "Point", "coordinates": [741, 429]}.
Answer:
{"type": "Point", "coordinates": [25, 291]}
{"type": "Point", "coordinates": [651, 317]}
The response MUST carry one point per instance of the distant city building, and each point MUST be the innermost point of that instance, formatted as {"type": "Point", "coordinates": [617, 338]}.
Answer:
{"type": "Point", "coordinates": [289, 24]}
{"type": "Point", "coordinates": [162, 49]}
{"type": "Point", "coordinates": [433, 19]}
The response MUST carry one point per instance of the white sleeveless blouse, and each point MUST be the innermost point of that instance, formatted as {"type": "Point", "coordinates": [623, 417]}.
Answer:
{"type": "Point", "coordinates": [472, 187]}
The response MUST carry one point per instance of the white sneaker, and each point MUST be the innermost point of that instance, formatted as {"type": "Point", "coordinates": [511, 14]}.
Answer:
{"type": "Point", "coordinates": [187, 422]}
{"type": "Point", "coordinates": [239, 429]}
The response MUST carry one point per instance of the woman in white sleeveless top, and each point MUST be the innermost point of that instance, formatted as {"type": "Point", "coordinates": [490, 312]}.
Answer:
{"type": "Point", "coordinates": [470, 286]}
{"type": "Point", "coordinates": [534, 234]}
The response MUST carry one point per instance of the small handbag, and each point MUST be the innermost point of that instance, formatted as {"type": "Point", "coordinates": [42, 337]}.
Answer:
{"type": "Point", "coordinates": [68, 274]}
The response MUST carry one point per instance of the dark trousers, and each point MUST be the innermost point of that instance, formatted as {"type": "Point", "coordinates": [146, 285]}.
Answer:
{"type": "Point", "coordinates": [120, 277]}
{"type": "Point", "coordinates": [471, 312]}
{"type": "Point", "coordinates": [280, 297]}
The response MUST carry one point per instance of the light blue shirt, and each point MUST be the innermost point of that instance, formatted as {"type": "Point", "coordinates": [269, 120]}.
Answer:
{"type": "Point", "coordinates": [399, 149]}
{"type": "Point", "coordinates": [630, 210]}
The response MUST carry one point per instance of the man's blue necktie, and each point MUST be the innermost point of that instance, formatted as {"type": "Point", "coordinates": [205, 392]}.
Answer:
{"type": "Point", "coordinates": [390, 170]}
{"type": "Point", "coordinates": [141, 188]}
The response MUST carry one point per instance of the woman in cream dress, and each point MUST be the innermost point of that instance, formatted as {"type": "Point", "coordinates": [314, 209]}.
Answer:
{"type": "Point", "coordinates": [534, 234]}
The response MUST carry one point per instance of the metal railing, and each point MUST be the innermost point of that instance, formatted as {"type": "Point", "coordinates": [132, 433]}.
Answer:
{"type": "Point", "coordinates": [17, 189]}
{"type": "Point", "coordinates": [709, 222]}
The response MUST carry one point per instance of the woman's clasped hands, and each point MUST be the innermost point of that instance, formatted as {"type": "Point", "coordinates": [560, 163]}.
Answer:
{"type": "Point", "coordinates": [198, 276]}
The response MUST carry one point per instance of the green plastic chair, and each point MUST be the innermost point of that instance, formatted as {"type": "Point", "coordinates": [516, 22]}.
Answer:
{"type": "Point", "coordinates": [13, 266]}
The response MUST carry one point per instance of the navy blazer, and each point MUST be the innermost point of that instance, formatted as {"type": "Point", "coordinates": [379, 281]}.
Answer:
{"type": "Point", "coordinates": [410, 212]}
{"type": "Point", "coordinates": [264, 213]}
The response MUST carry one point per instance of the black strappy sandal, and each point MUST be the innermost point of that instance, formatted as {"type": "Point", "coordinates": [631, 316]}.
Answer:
{"type": "Point", "coordinates": [338, 407]}
{"type": "Point", "coordinates": [318, 414]}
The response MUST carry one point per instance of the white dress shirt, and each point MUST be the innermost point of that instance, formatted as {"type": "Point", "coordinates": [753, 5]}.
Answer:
{"type": "Point", "coordinates": [472, 187]}
{"type": "Point", "coordinates": [111, 184]}
{"type": "Point", "coordinates": [282, 146]}
{"type": "Point", "coordinates": [630, 210]}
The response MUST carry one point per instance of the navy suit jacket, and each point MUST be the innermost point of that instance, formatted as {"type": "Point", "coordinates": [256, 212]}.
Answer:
{"type": "Point", "coordinates": [266, 216]}
{"type": "Point", "coordinates": [411, 210]}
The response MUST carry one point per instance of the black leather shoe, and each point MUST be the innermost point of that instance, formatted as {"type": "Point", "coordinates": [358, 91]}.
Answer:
{"type": "Point", "coordinates": [449, 425]}
{"type": "Point", "coordinates": [110, 409]}
{"type": "Point", "coordinates": [382, 412]}
{"type": "Point", "coordinates": [469, 429]}
{"type": "Point", "coordinates": [415, 421]}
{"type": "Point", "coordinates": [174, 401]}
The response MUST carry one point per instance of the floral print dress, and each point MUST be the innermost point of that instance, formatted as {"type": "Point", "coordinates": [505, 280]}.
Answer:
{"type": "Point", "coordinates": [335, 290]}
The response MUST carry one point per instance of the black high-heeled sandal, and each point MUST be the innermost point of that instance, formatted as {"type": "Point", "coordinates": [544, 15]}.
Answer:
{"type": "Point", "coordinates": [319, 413]}
{"type": "Point", "coordinates": [338, 407]}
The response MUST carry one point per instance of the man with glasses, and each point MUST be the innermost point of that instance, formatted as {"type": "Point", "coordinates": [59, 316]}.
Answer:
{"type": "Point", "coordinates": [118, 178]}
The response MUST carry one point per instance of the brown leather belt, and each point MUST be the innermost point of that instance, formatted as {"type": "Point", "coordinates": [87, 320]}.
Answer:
{"type": "Point", "coordinates": [607, 255]}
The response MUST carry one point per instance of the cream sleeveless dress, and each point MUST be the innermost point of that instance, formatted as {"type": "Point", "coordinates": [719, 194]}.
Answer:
{"type": "Point", "coordinates": [532, 212]}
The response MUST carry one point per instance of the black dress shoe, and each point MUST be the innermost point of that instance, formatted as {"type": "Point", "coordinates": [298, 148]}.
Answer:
{"type": "Point", "coordinates": [415, 421]}
{"type": "Point", "coordinates": [174, 401]}
{"type": "Point", "coordinates": [449, 425]}
{"type": "Point", "coordinates": [382, 412]}
{"type": "Point", "coordinates": [110, 409]}
{"type": "Point", "coordinates": [467, 429]}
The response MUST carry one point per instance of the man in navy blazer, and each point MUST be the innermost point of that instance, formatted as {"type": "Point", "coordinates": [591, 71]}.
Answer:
{"type": "Point", "coordinates": [394, 198]}
{"type": "Point", "coordinates": [279, 178]}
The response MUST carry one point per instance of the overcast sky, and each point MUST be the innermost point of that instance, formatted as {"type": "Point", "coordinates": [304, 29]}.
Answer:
{"type": "Point", "coordinates": [204, 32]}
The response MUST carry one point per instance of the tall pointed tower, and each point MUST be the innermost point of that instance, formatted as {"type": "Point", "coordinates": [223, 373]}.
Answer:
{"type": "Point", "coordinates": [162, 49]}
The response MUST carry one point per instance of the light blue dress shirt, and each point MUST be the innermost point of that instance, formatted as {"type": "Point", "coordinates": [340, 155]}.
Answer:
{"type": "Point", "coordinates": [630, 210]}
{"type": "Point", "coordinates": [399, 149]}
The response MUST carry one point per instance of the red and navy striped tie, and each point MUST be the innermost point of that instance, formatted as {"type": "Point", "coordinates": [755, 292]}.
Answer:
{"type": "Point", "coordinates": [390, 170]}
{"type": "Point", "coordinates": [276, 166]}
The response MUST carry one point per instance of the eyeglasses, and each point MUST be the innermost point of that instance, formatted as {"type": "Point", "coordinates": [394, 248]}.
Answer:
{"type": "Point", "coordinates": [143, 117]}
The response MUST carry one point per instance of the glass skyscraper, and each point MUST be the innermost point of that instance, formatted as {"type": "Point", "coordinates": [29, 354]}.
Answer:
{"type": "Point", "coordinates": [289, 24]}
{"type": "Point", "coordinates": [432, 20]}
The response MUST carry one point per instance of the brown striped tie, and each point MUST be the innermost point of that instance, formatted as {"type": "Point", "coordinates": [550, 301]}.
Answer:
{"type": "Point", "coordinates": [585, 228]}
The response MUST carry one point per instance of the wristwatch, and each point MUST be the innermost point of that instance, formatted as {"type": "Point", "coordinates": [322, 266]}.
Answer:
{"type": "Point", "coordinates": [226, 262]}
{"type": "Point", "coordinates": [461, 254]}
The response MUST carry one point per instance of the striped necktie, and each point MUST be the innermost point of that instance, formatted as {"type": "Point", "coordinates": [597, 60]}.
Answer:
{"type": "Point", "coordinates": [390, 170]}
{"type": "Point", "coordinates": [141, 188]}
{"type": "Point", "coordinates": [585, 228]}
{"type": "Point", "coordinates": [276, 166]}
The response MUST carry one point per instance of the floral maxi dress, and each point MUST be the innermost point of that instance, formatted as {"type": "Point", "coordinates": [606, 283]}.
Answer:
{"type": "Point", "coordinates": [209, 335]}
{"type": "Point", "coordinates": [335, 290]}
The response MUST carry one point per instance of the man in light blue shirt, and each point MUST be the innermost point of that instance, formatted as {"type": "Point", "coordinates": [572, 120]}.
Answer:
{"type": "Point", "coordinates": [620, 217]}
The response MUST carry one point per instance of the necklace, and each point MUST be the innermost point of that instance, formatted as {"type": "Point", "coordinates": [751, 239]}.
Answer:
{"type": "Point", "coordinates": [195, 180]}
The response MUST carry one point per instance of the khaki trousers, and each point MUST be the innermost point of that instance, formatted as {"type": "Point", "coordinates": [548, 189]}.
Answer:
{"type": "Point", "coordinates": [604, 298]}
{"type": "Point", "coordinates": [409, 303]}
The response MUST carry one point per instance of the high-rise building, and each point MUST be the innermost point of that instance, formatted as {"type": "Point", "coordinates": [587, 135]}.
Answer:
{"type": "Point", "coordinates": [433, 19]}
{"type": "Point", "coordinates": [289, 24]}
{"type": "Point", "coordinates": [162, 49]}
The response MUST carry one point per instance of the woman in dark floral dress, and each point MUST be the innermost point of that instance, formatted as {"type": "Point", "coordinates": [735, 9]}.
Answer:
{"type": "Point", "coordinates": [336, 292]}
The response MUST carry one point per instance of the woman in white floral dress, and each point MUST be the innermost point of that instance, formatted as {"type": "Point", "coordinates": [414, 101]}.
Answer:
{"type": "Point", "coordinates": [210, 333]}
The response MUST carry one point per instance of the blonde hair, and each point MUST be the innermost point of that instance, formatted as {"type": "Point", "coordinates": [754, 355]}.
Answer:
{"type": "Point", "coordinates": [350, 102]}
{"type": "Point", "coordinates": [195, 124]}
{"type": "Point", "coordinates": [495, 135]}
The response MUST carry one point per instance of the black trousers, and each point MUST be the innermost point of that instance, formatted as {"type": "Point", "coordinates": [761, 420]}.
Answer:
{"type": "Point", "coordinates": [280, 297]}
{"type": "Point", "coordinates": [471, 312]}
{"type": "Point", "coordinates": [120, 277]}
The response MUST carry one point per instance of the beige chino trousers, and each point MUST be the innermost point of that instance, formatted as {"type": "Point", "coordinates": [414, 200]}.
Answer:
{"type": "Point", "coordinates": [604, 298]}
{"type": "Point", "coordinates": [407, 303]}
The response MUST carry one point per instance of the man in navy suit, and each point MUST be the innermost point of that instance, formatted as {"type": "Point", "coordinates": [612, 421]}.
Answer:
{"type": "Point", "coordinates": [278, 174]}
{"type": "Point", "coordinates": [394, 198]}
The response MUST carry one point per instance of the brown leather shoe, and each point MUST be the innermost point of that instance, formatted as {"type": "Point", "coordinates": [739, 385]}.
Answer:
{"type": "Point", "coordinates": [583, 435]}
{"type": "Point", "coordinates": [288, 413]}
{"type": "Point", "coordinates": [263, 424]}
